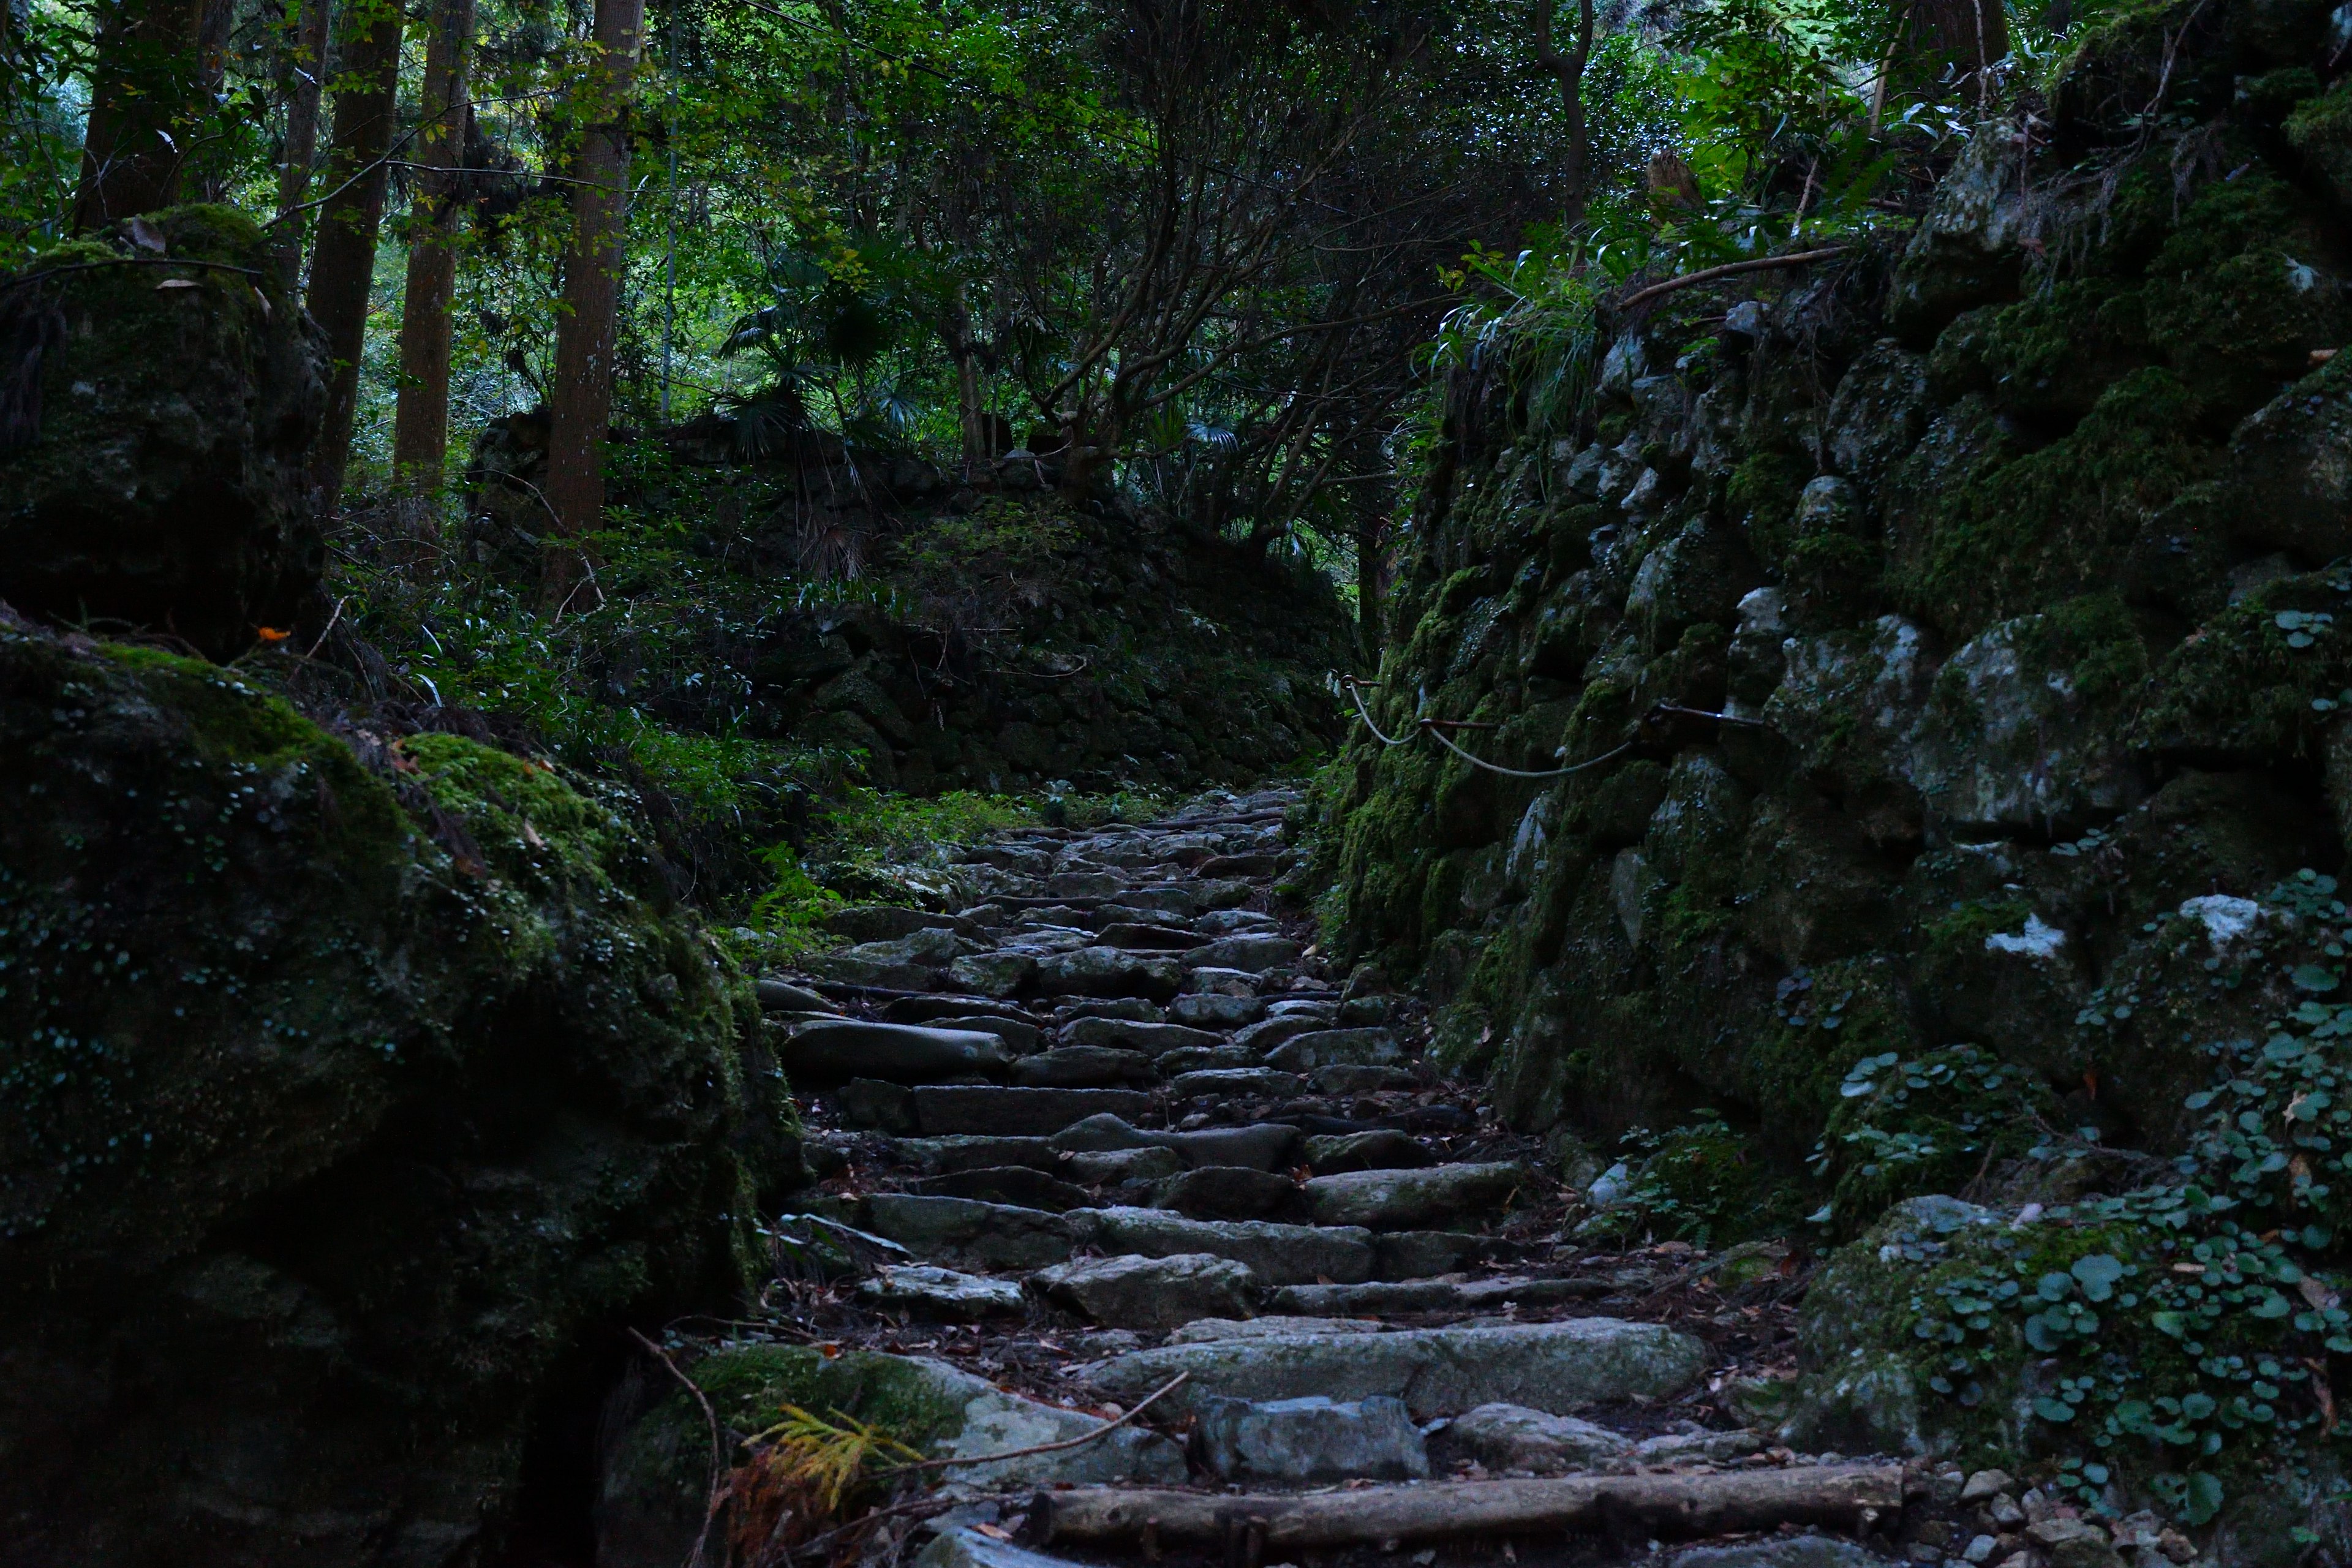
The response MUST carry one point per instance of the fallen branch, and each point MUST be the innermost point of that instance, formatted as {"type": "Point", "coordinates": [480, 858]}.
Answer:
{"type": "Point", "coordinates": [721, 1484]}
{"type": "Point", "coordinates": [1839, 1497]}
{"type": "Point", "coordinates": [1104, 1430]}
{"type": "Point", "coordinates": [1730, 268]}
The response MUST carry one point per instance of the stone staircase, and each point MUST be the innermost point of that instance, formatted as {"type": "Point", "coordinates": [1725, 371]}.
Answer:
{"type": "Point", "coordinates": [1112, 1134]}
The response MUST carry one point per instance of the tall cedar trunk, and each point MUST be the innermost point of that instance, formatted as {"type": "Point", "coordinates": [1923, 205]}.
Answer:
{"type": "Point", "coordinates": [1372, 582]}
{"type": "Point", "coordinates": [1972, 35]}
{"type": "Point", "coordinates": [144, 95]}
{"type": "Point", "coordinates": [304, 69]}
{"type": "Point", "coordinates": [580, 403]}
{"type": "Point", "coordinates": [420, 438]}
{"type": "Point", "coordinates": [1567, 67]}
{"type": "Point", "coordinates": [343, 264]}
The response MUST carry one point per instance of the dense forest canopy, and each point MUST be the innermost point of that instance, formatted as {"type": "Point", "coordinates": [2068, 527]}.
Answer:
{"type": "Point", "coordinates": [1195, 247]}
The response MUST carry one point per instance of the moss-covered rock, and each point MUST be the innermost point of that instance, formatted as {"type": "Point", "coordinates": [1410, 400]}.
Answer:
{"type": "Point", "coordinates": [164, 488]}
{"type": "Point", "coordinates": [349, 1104]}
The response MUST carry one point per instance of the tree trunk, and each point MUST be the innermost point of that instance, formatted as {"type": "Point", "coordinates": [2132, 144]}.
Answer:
{"type": "Point", "coordinates": [420, 440]}
{"type": "Point", "coordinates": [579, 404]}
{"type": "Point", "coordinates": [1372, 581]}
{"type": "Point", "coordinates": [344, 265]}
{"type": "Point", "coordinates": [304, 68]}
{"type": "Point", "coordinates": [145, 99]}
{"type": "Point", "coordinates": [1567, 68]}
{"type": "Point", "coordinates": [1973, 35]}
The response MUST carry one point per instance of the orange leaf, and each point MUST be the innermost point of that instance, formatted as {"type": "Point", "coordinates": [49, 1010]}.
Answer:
{"type": "Point", "coordinates": [271, 634]}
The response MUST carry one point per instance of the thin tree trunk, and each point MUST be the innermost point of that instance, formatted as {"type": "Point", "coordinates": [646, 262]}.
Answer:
{"type": "Point", "coordinates": [344, 265]}
{"type": "Point", "coordinates": [1372, 581]}
{"type": "Point", "coordinates": [143, 100]}
{"type": "Point", "coordinates": [305, 68]}
{"type": "Point", "coordinates": [579, 404]}
{"type": "Point", "coordinates": [1567, 68]}
{"type": "Point", "coordinates": [420, 440]}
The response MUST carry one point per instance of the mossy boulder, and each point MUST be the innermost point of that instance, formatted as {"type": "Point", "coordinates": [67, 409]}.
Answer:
{"type": "Point", "coordinates": [159, 480]}
{"type": "Point", "coordinates": [353, 1098]}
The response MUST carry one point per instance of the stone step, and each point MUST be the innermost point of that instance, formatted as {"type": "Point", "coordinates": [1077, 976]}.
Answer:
{"type": "Point", "coordinates": [964, 1232]}
{"type": "Point", "coordinates": [1236, 1083]}
{"type": "Point", "coordinates": [1231, 1192]}
{"type": "Point", "coordinates": [1022, 1186]}
{"type": "Point", "coordinates": [1085, 1066]}
{"type": "Point", "coordinates": [1309, 1441]}
{"type": "Point", "coordinates": [1148, 1295]}
{"type": "Point", "coordinates": [1436, 1295]}
{"type": "Point", "coordinates": [1110, 971]}
{"type": "Point", "coordinates": [1135, 1035]}
{"type": "Point", "coordinates": [940, 1109]}
{"type": "Point", "coordinates": [1263, 1145]}
{"type": "Point", "coordinates": [831, 1052]}
{"type": "Point", "coordinates": [1425, 1199]}
{"type": "Point", "coordinates": [1277, 1253]}
{"type": "Point", "coordinates": [1556, 1368]}
{"type": "Point", "coordinates": [975, 1152]}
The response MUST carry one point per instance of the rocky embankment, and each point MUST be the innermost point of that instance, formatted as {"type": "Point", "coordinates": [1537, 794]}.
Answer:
{"type": "Point", "coordinates": [1926, 671]}
{"type": "Point", "coordinates": [1109, 1138]}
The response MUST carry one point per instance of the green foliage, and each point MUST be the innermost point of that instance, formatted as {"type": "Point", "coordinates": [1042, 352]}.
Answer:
{"type": "Point", "coordinates": [1933, 1123]}
{"type": "Point", "coordinates": [1703, 1182]}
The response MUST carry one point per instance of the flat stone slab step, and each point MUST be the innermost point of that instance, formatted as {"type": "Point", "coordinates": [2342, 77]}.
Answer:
{"type": "Point", "coordinates": [940, 1109]}
{"type": "Point", "coordinates": [1553, 1367]}
{"type": "Point", "coordinates": [1150, 1295]}
{"type": "Point", "coordinates": [1262, 1145]}
{"type": "Point", "coordinates": [1424, 1199]}
{"type": "Point", "coordinates": [1277, 1254]}
{"type": "Point", "coordinates": [831, 1052]}
{"type": "Point", "coordinates": [1441, 1295]}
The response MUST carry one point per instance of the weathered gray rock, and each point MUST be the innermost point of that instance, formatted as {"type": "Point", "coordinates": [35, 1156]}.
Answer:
{"type": "Point", "coordinates": [1514, 1437]}
{"type": "Point", "coordinates": [1018, 1112]}
{"type": "Point", "coordinates": [1483, 1295]}
{"type": "Point", "coordinates": [964, 1548]}
{"type": "Point", "coordinates": [1385, 1150]}
{"type": "Point", "coordinates": [1554, 1367]}
{"type": "Point", "coordinates": [1110, 971]}
{"type": "Point", "coordinates": [1230, 1192]}
{"type": "Point", "coordinates": [1699, 1447]}
{"type": "Point", "coordinates": [1203, 1330]}
{"type": "Point", "coordinates": [783, 996]}
{"type": "Point", "coordinates": [1345, 1079]}
{"type": "Point", "coordinates": [1782, 1552]}
{"type": "Point", "coordinates": [1083, 1067]}
{"type": "Point", "coordinates": [1248, 952]}
{"type": "Point", "coordinates": [885, 923]}
{"type": "Point", "coordinates": [1133, 1009]}
{"type": "Point", "coordinates": [1085, 884]}
{"type": "Point", "coordinates": [1151, 1294]}
{"type": "Point", "coordinates": [1420, 1254]}
{"type": "Point", "coordinates": [1002, 973]}
{"type": "Point", "coordinates": [963, 1233]}
{"type": "Point", "coordinates": [942, 1294]}
{"type": "Point", "coordinates": [831, 1052]}
{"type": "Point", "coordinates": [1337, 1047]}
{"type": "Point", "coordinates": [1277, 1254]}
{"type": "Point", "coordinates": [1112, 1166]}
{"type": "Point", "coordinates": [1021, 1186]}
{"type": "Point", "coordinates": [1019, 1036]}
{"type": "Point", "coordinates": [1219, 983]}
{"type": "Point", "coordinates": [1265, 1146]}
{"type": "Point", "coordinates": [1297, 1441]}
{"type": "Point", "coordinates": [868, 1103]}
{"type": "Point", "coordinates": [1236, 1083]}
{"type": "Point", "coordinates": [1192, 1059]}
{"type": "Point", "coordinates": [1209, 1010]}
{"type": "Point", "coordinates": [1152, 1039]}
{"type": "Point", "coordinates": [1416, 1199]}
{"type": "Point", "coordinates": [977, 1151]}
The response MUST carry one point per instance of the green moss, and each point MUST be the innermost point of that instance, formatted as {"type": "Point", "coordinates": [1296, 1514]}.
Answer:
{"type": "Point", "coordinates": [2047, 357]}
{"type": "Point", "coordinates": [2232, 300]}
{"type": "Point", "coordinates": [1762, 494]}
{"type": "Point", "coordinates": [2056, 523]}
{"type": "Point", "coordinates": [2246, 684]}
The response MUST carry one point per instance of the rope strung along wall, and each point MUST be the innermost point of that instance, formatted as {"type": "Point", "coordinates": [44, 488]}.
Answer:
{"type": "Point", "coordinates": [1430, 727]}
